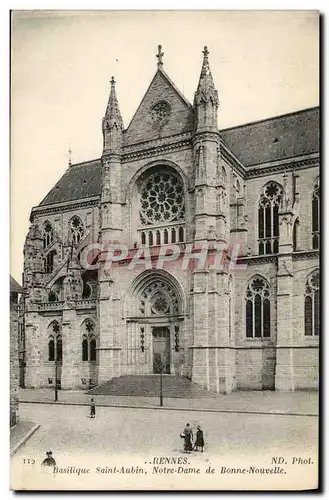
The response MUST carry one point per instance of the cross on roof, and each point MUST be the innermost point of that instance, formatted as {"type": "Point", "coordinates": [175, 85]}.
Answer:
{"type": "Point", "coordinates": [70, 156]}
{"type": "Point", "coordinates": [160, 56]}
{"type": "Point", "coordinates": [205, 51]}
{"type": "Point", "coordinates": [112, 81]}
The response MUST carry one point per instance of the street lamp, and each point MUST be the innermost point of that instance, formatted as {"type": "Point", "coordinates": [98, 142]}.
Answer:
{"type": "Point", "coordinates": [56, 376]}
{"type": "Point", "coordinates": [161, 388]}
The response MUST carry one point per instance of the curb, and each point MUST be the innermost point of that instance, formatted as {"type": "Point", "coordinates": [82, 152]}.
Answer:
{"type": "Point", "coordinates": [23, 440]}
{"type": "Point", "coordinates": [151, 407]}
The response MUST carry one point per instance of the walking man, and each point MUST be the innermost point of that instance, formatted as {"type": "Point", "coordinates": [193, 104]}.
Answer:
{"type": "Point", "coordinates": [92, 408]}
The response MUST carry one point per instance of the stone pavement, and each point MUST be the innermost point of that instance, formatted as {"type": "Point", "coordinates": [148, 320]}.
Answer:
{"type": "Point", "coordinates": [20, 433]}
{"type": "Point", "coordinates": [257, 402]}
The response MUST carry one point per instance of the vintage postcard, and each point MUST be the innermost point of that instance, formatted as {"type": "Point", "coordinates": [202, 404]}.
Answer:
{"type": "Point", "coordinates": [165, 237]}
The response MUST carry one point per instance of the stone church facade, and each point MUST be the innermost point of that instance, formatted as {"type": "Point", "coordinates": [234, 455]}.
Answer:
{"type": "Point", "coordinates": [170, 184]}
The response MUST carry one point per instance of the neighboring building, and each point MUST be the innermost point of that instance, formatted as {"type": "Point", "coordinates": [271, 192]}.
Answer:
{"type": "Point", "coordinates": [172, 177]}
{"type": "Point", "coordinates": [15, 290]}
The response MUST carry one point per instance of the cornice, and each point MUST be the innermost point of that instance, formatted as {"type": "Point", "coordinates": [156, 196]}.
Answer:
{"type": "Point", "coordinates": [157, 146]}
{"type": "Point", "coordinates": [259, 259]}
{"type": "Point", "coordinates": [280, 166]}
{"type": "Point", "coordinates": [64, 206]}
{"type": "Point", "coordinates": [306, 254]}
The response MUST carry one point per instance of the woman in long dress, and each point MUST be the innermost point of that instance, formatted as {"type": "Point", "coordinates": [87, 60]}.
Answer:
{"type": "Point", "coordinates": [188, 438]}
{"type": "Point", "coordinates": [199, 442]}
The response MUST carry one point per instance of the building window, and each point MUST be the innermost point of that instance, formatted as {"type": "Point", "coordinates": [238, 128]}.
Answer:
{"type": "Point", "coordinates": [258, 308]}
{"type": "Point", "coordinates": [92, 349]}
{"type": "Point", "coordinates": [268, 219]}
{"type": "Point", "coordinates": [88, 344]}
{"type": "Point", "coordinates": [316, 217]}
{"type": "Point", "coordinates": [49, 262]}
{"type": "Point", "coordinates": [77, 229]}
{"type": "Point", "coordinates": [55, 346]}
{"type": "Point", "coordinates": [48, 234]}
{"type": "Point", "coordinates": [86, 292]}
{"type": "Point", "coordinates": [59, 348]}
{"type": "Point", "coordinates": [52, 297]}
{"type": "Point", "coordinates": [296, 236]}
{"type": "Point", "coordinates": [312, 305]}
{"type": "Point", "coordinates": [85, 349]}
{"type": "Point", "coordinates": [162, 199]}
{"type": "Point", "coordinates": [51, 349]}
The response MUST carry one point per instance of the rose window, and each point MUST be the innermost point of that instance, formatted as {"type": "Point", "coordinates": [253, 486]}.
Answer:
{"type": "Point", "coordinates": [160, 113]}
{"type": "Point", "coordinates": [162, 199]}
{"type": "Point", "coordinates": [160, 304]}
{"type": "Point", "coordinates": [158, 298]}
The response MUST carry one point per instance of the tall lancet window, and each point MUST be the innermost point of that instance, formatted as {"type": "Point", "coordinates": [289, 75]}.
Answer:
{"type": "Point", "coordinates": [312, 304]}
{"type": "Point", "coordinates": [268, 219]}
{"type": "Point", "coordinates": [316, 217]}
{"type": "Point", "coordinates": [258, 308]}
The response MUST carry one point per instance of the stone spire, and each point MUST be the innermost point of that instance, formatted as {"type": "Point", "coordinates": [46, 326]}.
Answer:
{"type": "Point", "coordinates": [206, 97]}
{"type": "Point", "coordinates": [112, 122]}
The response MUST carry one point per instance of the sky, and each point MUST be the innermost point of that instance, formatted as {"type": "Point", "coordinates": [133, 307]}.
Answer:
{"type": "Point", "coordinates": [264, 63]}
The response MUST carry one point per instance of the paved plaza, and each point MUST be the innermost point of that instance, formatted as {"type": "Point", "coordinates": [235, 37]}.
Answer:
{"type": "Point", "coordinates": [262, 402]}
{"type": "Point", "coordinates": [69, 433]}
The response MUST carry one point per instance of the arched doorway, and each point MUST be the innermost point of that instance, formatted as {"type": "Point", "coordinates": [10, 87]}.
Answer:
{"type": "Point", "coordinates": [155, 317]}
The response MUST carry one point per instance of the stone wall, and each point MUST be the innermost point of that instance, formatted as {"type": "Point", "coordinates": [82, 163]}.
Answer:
{"type": "Point", "coordinates": [14, 360]}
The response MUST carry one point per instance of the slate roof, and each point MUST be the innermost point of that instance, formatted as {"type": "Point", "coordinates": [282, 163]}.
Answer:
{"type": "Point", "coordinates": [276, 138]}
{"type": "Point", "coordinates": [82, 180]}
{"type": "Point", "coordinates": [15, 287]}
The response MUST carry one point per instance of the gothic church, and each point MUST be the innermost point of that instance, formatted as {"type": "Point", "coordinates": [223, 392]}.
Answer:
{"type": "Point", "coordinates": [173, 179]}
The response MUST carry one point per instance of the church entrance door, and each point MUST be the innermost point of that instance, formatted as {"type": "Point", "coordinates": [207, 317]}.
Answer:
{"type": "Point", "coordinates": [161, 349]}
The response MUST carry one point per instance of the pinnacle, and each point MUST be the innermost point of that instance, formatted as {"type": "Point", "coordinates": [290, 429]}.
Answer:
{"type": "Point", "coordinates": [113, 111]}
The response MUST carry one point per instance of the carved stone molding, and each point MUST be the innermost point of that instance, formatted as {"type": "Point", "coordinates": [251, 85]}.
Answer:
{"type": "Point", "coordinates": [69, 207]}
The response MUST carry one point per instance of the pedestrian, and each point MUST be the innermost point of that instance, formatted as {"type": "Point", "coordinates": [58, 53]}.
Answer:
{"type": "Point", "coordinates": [188, 437]}
{"type": "Point", "coordinates": [50, 461]}
{"type": "Point", "coordinates": [199, 441]}
{"type": "Point", "coordinates": [92, 408]}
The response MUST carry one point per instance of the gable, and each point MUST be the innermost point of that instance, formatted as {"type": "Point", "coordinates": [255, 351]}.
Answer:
{"type": "Point", "coordinates": [146, 124]}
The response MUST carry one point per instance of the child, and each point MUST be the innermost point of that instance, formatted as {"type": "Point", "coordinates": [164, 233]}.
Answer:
{"type": "Point", "coordinates": [92, 408]}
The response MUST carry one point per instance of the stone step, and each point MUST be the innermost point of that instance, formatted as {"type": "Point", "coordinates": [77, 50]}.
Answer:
{"type": "Point", "coordinates": [149, 385]}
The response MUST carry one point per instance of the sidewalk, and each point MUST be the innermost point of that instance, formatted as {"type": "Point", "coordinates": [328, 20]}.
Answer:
{"type": "Point", "coordinates": [20, 433]}
{"type": "Point", "coordinates": [262, 402]}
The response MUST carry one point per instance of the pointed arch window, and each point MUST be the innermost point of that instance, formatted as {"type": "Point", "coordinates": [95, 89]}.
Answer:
{"type": "Point", "coordinates": [77, 229]}
{"type": "Point", "coordinates": [316, 217]}
{"type": "Point", "coordinates": [55, 347]}
{"type": "Point", "coordinates": [89, 342]}
{"type": "Point", "coordinates": [258, 308]}
{"type": "Point", "coordinates": [48, 234]}
{"type": "Point", "coordinates": [312, 305]}
{"type": "Point", "coordinates": [268, 218]}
